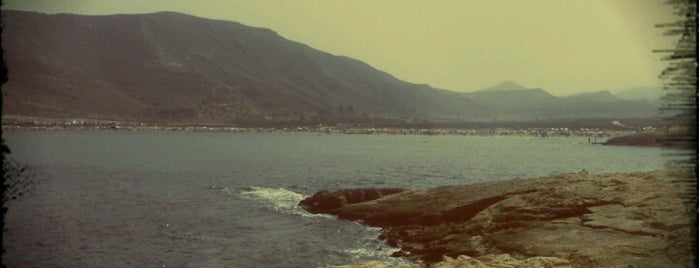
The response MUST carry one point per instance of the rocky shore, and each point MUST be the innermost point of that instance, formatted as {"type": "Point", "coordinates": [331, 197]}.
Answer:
{"type": "Point", "coordinates": [653, 139]}
{"type": "Point", "coordinates": [642, 219]}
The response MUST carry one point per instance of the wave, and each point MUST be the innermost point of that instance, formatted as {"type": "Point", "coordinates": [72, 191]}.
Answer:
{"type": "Point", "coordinates": [371, 253]}
{"type": "Point", "coordinates": [279, 199]}
{"type": "Point", "coordinates": [376, 250]}
{"type": "Point", "coordinates": [368, 247]}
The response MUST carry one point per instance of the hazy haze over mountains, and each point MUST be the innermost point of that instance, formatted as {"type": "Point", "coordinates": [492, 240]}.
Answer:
{"type": "Point", "coordinates": [638, 93]}
{"type": "Point", "coordinates": [601, 96]}
{"type": "Point", "coordinates": [174, 68]}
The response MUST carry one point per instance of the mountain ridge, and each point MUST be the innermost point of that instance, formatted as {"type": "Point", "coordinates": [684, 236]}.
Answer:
{"type": "Point", "coordinates": [602, 95]}
{"type": "Point", "coordinates": [169, 67]}
{"type": "Point", "coordinates": [640, 93]}
{"type": "Point", "coordinates": [507, 85]}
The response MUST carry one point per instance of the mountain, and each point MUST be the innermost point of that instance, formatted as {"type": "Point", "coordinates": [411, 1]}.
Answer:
{"type": "Point", "coordinates": [641, 93]}
{"type": "Point", "coordinates": [510, 97]}
{"type": "Point", "coordinates": [505, 86]}
{"type": "Point", "coordinates": [172, 68]}
{"type": "Point", "coordinates": [597, 96]}
{"type": "Point", "coordinates": [519, 103]}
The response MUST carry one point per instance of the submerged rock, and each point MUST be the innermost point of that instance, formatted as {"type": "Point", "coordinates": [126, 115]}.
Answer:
{"type": "Point", "coordinates": [579, 219]}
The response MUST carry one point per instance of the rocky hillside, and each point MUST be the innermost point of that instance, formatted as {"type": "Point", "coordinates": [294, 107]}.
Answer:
{"type": "Point", "coordinates": [174, 68]}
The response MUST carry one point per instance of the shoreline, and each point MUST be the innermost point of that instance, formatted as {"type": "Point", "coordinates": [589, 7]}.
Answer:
{"type": "Point", "coordinates": [593, 127]}
{"type": "Point", "coordinates": [532, 132]}
{"type": "Point", "coordinates": [579, 219]}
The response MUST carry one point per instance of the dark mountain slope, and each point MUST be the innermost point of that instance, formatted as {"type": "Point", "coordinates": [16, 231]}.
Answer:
{"type": "Point", "coordinates": [178, 68]}
{"type": "Point", "coordinates": [174, 68]}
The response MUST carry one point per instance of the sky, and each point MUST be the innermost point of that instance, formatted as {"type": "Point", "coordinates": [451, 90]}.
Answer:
{"type": "Point", "coordinates": [562, 46]}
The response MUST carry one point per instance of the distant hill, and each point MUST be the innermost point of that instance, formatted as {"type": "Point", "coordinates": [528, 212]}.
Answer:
{"type": "Point", "coordinates": [598, 96]}
{"type": "Point", "coordinates": [519, 103]}
{"type": "Point", "coordinates": [503, 87]}
{"type": "Point", "coordinates": [172, 68]}
{"type": "Point", "coordinates": [641, 93]}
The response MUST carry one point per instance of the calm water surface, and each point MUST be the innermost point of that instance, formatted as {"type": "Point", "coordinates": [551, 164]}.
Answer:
{"type": "Point", "coordinates": [190, 199]}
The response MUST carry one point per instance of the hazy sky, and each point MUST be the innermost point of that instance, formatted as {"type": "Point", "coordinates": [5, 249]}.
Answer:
{"type": "Point", "coordinates": [563, 46]}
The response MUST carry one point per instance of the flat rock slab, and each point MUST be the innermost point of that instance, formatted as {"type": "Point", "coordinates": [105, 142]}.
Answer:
{"type": "Point", "coordinates": [636, 219]}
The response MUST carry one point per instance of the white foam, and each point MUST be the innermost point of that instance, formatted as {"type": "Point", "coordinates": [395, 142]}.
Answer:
{"type": "Point", "coordinates": [279, 199]}
{"type": "Point", "coordinates": [286, 201]}
{"type": "Point", "coordinates": [374, 249]}
{"type": "Point", "coordinates": [381, 253]}
{"type": "Point", "coordinates": [226, 190]}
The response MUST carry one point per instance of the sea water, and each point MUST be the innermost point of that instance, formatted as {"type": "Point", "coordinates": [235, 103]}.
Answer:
{"type": "Point", "coordinates": [216, 199]}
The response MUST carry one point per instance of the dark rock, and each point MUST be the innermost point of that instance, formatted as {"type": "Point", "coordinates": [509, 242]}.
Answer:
{"type": "Point", "coordinates": [676, 139]}
{"type": "Point", "coordinates": [326, 201]}
{"type": "Point", "coordinates": [635, 140]}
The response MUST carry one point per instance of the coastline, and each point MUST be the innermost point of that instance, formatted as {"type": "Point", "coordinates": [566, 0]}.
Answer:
{"type": "Point", "coordinates": [595, 133]}
{"type": "Point", "coordinates": [639, 219]}
{"type": "Point", "coordinates": [538, 129]}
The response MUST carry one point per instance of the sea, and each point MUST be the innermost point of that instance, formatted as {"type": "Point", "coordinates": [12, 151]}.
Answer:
{"type": "Point", "coordinates": [219, 199]}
